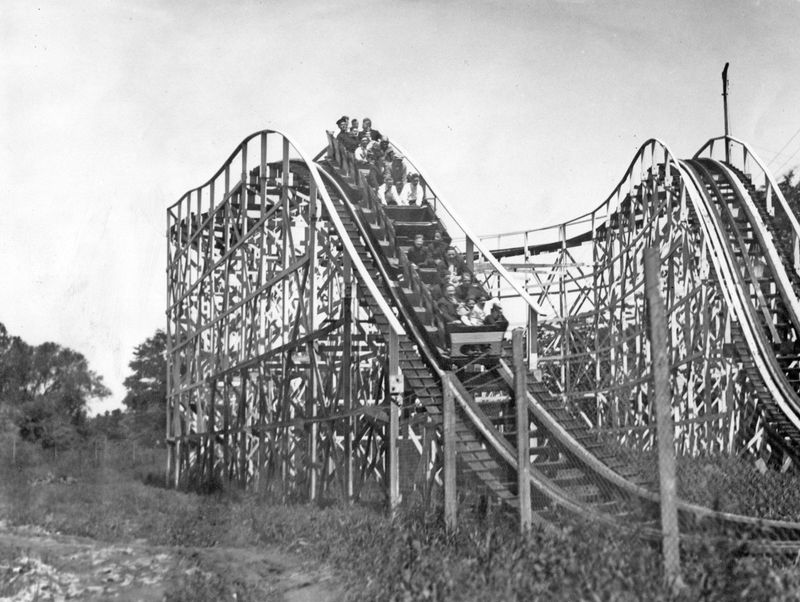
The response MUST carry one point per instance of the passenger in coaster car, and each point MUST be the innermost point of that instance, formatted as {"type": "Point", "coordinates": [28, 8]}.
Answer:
{"type": "Point", "coordinates": [354, 128]}
{"type": "Point", "coordinates": [349, 142]}
{"type": "Point", "coordinates": [362, 160]}
{"type": "Point", "coordinates": [377, 153]}
{"type": "Point", "coordinates": [448, 306]}
{"type": "Point", "coordinates": [418, 254]}
{"type": "Point", "coordinates": [480, 306]}
{"type": "Point", "coordinates": [386, 191]}
{"type": "Point", "coordinates": [388, 158]}
{"type": "Point", "coordinates": [438, 248]}
{"type": "Point", "coordinates": [496, 317]}
{"type": "Point", "coordinates": [442, 280]}
{"type": "Point", "coordinates": [472, 316]}
{"type": "Point", "coordinates": [455, 263]}
{"type": "Point", "coordinates": [365, 163]}
{"type": "Point", "coordinates": [467, 288]}
{"type": "Point", "coordinates": [399, 172]}
{"type": "Point", "coordinates": [368, 131]}
{"type": "Point", "coordinates": [412, 193]}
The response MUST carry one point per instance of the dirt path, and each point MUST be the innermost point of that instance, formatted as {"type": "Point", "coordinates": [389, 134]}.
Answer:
{"type": "Point", "coordinates": [36, 565]}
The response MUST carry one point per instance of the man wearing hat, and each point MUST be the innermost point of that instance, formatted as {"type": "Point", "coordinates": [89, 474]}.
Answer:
{"type": "Point", "coordinates": [399, 171]}
{"type": "Point", "coordinates": [344, 137]}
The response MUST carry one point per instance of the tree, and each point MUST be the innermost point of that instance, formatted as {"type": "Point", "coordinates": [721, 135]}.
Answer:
{"type": "Point", "coordinates": [146, 398]}
{"type": "Point", "coordinates": [790, 190]}
{"type": "Point", "coordinates": [46, 388]}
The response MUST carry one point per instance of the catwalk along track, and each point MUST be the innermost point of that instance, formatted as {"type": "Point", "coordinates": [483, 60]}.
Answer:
{"type": "Point", "coordinates": [309, 359]}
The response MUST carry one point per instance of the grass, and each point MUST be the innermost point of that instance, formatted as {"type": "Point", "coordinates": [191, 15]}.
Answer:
{"type": "Point", "coordinates": [412, 557]}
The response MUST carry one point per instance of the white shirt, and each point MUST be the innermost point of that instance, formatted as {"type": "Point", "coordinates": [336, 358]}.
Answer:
{"type": "Point", "coordinates": [388, 193]}
{"type": "Point", "coordinates": [411, 195]}
{"type": "Point", "coordinates": [360, 154]}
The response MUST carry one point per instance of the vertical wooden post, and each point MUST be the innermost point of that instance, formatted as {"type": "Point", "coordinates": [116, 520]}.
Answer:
{"type": "Point", "coordinates": [395, 392]}
{"type": "Point", "coordinates": [347, 396]}
{"type": "Point", "coordinates": [523, 431]}
{"type": "Point", "coordinates": [725, 112]}
{"type": "Point", "coordinates": [176, 438]}
{"type": "Point", "coordinates": [212, 425]}
{"type": "Point", "coordinates": [426, 464]}
{"type": "Point", "coordinates": [226, 426]}
{"type": "Point", "coordinates": [261, 455]}
{"type": "Point", "coordinates": [311, 400]}
{"type": "Point", "coordinates": [663, 411]}
{"type": "Point", "coordinates": [241, 422]}
{"type": "Point", "coordinates": [470, 255]}
{"type": "Point", "coordinates": [533, 342]}
{"type": "Point", "coordinates": [449, 427]}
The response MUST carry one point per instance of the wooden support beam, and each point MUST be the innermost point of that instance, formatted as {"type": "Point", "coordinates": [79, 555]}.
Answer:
{"type": "Point", "coordinates": [210, 445]}
{"type": "Point", "coordinates": [394, 391]}
{"type": "Point", "coordinates": [523, 431]}
{"type": "Point", "coordinates": [449, 426]}
{"type": "Point", "coordinates": [312, 393]}
{"type": "Point", "coordinates": [347, 361]}
{"type": "Point", "coordinates": [241, 420]}
{"type": "Point", "coordinates": [663, 411]}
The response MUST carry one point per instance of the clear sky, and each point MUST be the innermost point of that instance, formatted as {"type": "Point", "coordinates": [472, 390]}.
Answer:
{"type": "Point", "coordinates": [523, 113]}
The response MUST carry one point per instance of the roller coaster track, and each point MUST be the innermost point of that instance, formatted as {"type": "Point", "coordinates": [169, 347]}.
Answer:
{"type": "Point", "coordinates": [270, 375]}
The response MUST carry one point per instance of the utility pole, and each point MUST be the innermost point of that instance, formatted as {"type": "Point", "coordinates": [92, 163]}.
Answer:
{"type": "Point", "coordinates": [725, 111]}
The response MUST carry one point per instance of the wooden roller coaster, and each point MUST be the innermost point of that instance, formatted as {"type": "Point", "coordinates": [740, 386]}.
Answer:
{"type": "Point", "coordinates": [307, 357]}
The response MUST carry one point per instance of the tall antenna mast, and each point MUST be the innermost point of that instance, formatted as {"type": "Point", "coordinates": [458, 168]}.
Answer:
{"type": "Point", "coordinates": [725, 110]}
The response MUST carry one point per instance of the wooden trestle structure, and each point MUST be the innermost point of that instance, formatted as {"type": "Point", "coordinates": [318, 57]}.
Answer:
{"type": "Point", "coordinates": [307, 357]}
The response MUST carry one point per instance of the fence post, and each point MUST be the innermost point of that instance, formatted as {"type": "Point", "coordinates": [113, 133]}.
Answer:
{"type": "Point", "coordinates": [395, 393]}
{"type": "Point", "coordinates": [523, 431]}
{"type": "Point", "coordinates": [664, 426]}
{"type": "Point", "coordinates": [449, 428]}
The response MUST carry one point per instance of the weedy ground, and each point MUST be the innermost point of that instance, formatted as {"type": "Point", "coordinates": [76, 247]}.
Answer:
{"type": "Point", "coordinates": [366, 555]}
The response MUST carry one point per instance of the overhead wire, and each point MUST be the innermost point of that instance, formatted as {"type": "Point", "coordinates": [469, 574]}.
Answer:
{"type": "Point", "coordinates": [792, 156]}
{"type": "Point", "coordinates": [784, 146]}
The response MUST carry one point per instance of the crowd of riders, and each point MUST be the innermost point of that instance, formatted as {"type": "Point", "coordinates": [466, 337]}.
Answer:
{"type": "Point", "coordinates": [458, 296]}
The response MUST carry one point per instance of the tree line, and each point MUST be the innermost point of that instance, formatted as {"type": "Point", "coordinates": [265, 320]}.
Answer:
{"type": "Point", "coordinates": [45, 390]}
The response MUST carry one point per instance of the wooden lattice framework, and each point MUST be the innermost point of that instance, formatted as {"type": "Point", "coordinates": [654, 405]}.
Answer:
{"type": "Point", "coordinates": [278, 378]}
{"type": "Point", "coordinates": [588, 274]}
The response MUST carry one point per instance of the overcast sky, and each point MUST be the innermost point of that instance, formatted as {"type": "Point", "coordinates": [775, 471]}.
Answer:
{"type": "Point", "coordinates": [524, 113]}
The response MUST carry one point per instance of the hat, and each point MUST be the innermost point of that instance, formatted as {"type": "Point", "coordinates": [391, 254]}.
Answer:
{"type": "Point", "coordinates": [341, 119]}
{"type": "Point", "coordinates": [413, 175]}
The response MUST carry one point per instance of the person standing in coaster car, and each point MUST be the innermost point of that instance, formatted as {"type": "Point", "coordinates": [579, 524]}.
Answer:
{"type": "Point", "coordinates": [448, 306]}
{"type": "Point", "coordinates": [412, 193]}
{"type": "Point", "coordinates": [368, 131]}
{"type": "Point", "coordinates": [386, 191]}
{"type": "Point", "coordinates": [418, 254]}
{"type": "Point", "coordinates": [377, 153]}
{"type": "Point", "coordinates": [354, 128]}
{"type": "Point", "coordinates": [399, 172]}
{"type": "Point", "coordinates": [344, 137]}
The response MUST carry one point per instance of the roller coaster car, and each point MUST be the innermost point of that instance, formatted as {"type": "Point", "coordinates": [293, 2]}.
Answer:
{"type": "Point", "coordinates": [471, 342]}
